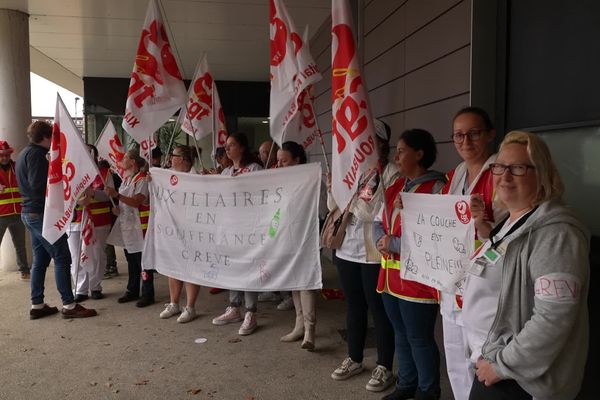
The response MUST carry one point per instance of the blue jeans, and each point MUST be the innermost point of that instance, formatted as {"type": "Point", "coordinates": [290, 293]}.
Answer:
{"type": "Point", "coordinates": [416, 350]}
{"type": "Point", "coordinates": [43, 252]}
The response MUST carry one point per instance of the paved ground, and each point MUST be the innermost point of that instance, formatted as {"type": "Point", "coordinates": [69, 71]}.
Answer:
{"type": "Point", "coordinates": [129, 353]}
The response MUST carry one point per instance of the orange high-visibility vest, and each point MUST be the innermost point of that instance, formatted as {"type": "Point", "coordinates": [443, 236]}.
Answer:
{"type": "Point", "coordinates": [143, 209]}
{"type": "Point", "coordinates": [10, 198]}
{"type": "Point", "coordinates": [99, 211]}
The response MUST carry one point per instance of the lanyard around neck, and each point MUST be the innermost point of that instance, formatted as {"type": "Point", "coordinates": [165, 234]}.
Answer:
{"type": "Point", "coordinates": [513, 228]}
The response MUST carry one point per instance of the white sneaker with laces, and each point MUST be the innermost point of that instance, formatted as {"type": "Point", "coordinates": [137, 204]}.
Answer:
{"type": "Point", "coordinates": [286, 304]}
{"type": "Point", "coordinates": [249, 325]}
{"type": "Point", "coordinates": [347, 369]}
{"type": "Point", "coordinates": [170, 310]}
{"type": "Point", "coordinates": [381, 379]}
{"type": "Point", "coordinates": [231, 314]}
{"type": "Point", "coordinates": [188, 314]}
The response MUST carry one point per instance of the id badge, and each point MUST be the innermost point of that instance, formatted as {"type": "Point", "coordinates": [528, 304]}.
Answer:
{"type": "Point", "coordinates": [478, 265]}
{"type": "Point", "coordinates": [492, 256]}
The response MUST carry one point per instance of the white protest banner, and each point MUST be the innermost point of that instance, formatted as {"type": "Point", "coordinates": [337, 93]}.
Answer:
{"type": "Point", "coordinates": [156, 89]}
{"type": "Point", "coordinates": [70, 171]}
{"type": "Point", "coordinates": [110, 148]}
{"type": "Point", "coordinates": [438, 236]}
{"type": "Point", "coordinates": [353, 144]}
{"type": "Point", "coordinates": [255, 232]}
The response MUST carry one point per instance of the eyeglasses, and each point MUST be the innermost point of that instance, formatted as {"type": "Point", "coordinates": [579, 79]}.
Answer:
{"type": "Point", "coordinates": [473, 134]}
{"type": "Point", "coordinates": [515, 169]}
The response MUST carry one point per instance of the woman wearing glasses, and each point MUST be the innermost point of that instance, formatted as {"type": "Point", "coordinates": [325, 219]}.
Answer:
{"type": "Point", "coordinates": [534, 338]}
{"type": "Point", "coordinates": [473, 136]}
{"type": "Point", "coordinates": [182, 160]}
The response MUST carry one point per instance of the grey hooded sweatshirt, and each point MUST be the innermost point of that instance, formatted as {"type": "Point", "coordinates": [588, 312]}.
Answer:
{"type": "Point", "coordinates": [540, 334]}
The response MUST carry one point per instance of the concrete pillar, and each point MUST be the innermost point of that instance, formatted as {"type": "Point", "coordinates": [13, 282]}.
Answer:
{"type": "Point", "coordinates": [15, 97]}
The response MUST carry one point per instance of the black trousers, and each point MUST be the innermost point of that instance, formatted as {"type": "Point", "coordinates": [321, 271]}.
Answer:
{"type": "Point", "coordinates": [134, 268]}
{"type": "Point", "coordinates": [504, 390]}
{"type": "Point", "coordinates": [359, 282]}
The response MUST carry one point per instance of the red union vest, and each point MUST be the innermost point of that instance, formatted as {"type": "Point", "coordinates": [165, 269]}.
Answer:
{"type": "Point", "coordinates": [99, 211]}
{"type": "Point", "coordinates": [10, 198]}
{"type": "Point", "coordinates": [390, 280]}
{"type": "Point", "coordinates": [485, 188]}
{"type": "Point", "coordinates": [144, 209]}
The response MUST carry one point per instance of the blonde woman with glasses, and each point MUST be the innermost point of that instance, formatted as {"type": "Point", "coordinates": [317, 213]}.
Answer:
{"type": "Point", "coordinates": [532, 340]}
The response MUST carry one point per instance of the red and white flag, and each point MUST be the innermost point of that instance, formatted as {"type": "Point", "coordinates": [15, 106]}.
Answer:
{"type": "Point", "coordinates": [220, 132]}
{"type": "Point", "coordinates": [110, 148]}
{"type": "Point", "coordinates": [70, 171]}
{"type": "Point", "coordinates": [147, 145]}
{"type": "Point", "coordinates": [199, 119]}
{"type": "Point", "coordinates": [353, 147]}
{"type": "Point", "coordinates": [293, 70]}
{"type": "Point", "coordinates": [156, 89]}
{"type": "Point", "coordinates": [89, 250]}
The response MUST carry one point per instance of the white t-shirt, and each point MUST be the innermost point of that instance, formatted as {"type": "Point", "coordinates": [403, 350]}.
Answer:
{"type": "Point", "coordinates": [353, 247]}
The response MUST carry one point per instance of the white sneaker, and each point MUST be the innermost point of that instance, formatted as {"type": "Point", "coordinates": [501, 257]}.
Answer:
{"type": "Point", "coordinates": [249, 325]}
{"type": "Point", "coordinates": [231, 314]}
{"type": "Point", "coordinates": [170, 310]}
{"type": "Point", "coordinates": [381, 379]}
{"type": "Point", "coordinates": [269, 297]}
{"type": "Point", "coordinates": [286, 304]}
{"type": "Point", "coordinates": [188, 314]}
{"type": "Point", "coordinates": [347, 369]}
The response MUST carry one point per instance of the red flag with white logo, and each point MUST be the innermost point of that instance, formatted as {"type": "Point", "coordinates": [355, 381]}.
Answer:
{"type": "Point", "coordinates": [307, 133]}
{"type": "Point", "coordinates": [89, 250]}
{"type": "Point", "coordinates": [156, 89]}
{"type": "Point", "coordinates": [71, 171]}
{"type": "Point", "coordinates": [293, 70]}
{"type": "Point", "coordinates": [110, 148]}
{"type": "Point", "coordinates": [220, 132]}
{"type": "Point", "coordinates": [147, 145]}
{"type": "Point", "coordinates": [204, 111]}
{"type": "Point", "coordinates": [353, 147]}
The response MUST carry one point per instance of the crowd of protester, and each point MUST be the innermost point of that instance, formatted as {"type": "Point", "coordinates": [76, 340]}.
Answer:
{"type": "Point", "coordinates": [511, 335]}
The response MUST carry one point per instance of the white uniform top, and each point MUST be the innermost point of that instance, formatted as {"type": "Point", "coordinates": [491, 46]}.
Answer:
{"type": "Point", "coordinates": [127, 231]}
{"type": "Point", "coordinates": [238, 171]}
{"type": "Point", "coordinates": [448, 306]}
{"type": "Point", "coordinates": [482, 289]}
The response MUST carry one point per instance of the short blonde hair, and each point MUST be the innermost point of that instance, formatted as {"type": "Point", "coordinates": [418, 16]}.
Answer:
{"type": "Point", "coordinates": [549, 183]}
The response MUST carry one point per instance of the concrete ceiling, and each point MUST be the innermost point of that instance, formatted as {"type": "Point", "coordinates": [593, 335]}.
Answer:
{"type": "Point", "coordinates": [98, 38]}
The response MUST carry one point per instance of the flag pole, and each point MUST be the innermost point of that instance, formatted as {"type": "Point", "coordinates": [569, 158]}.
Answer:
{"type": "Point", "coordinates": [270, 152]}
{"type": "Point", "coordinates": [214, 115]}
{"type": "Point", "coordinates": [327, 166]}
{"type": "Point", "coordinates": [164, 162]}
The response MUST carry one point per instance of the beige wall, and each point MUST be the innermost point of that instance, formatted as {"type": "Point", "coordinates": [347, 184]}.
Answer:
{"type": "Point", "coordinates": [417, 57]}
